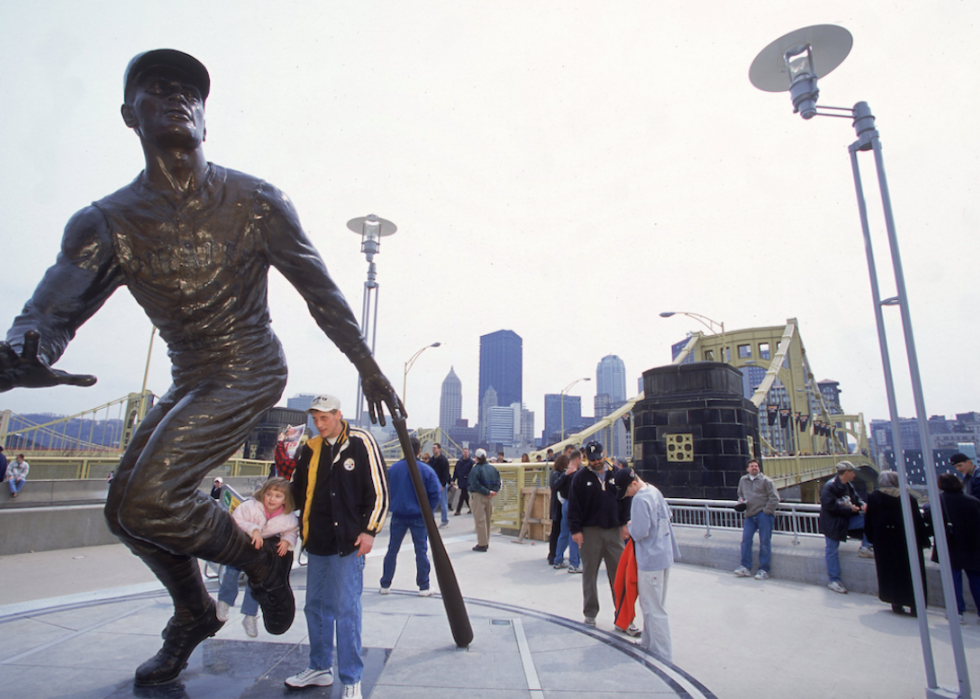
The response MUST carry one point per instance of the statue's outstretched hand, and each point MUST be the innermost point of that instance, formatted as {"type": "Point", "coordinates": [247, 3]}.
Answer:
{"type": "Point", "coordinates": [27, 370]}
{"type": "Point", "coordinates": [378, 391]}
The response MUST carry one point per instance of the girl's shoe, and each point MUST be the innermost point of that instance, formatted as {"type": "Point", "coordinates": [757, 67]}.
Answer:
{"type": "Point", "coordinates": [222, 611]}
{"type": "Point", "coordinates": [251, 626]}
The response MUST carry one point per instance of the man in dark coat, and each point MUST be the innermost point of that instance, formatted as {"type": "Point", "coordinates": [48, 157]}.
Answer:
{"type": "Point", "coordinates": [461, 476]}
{"type": "Point", "coordinates": [884, 526]}
{"type": "Point", "coordinates": [971, 477]}
{"type": "Point", "coordinates": [440, 464]}
{"type": "Point", "coordinates": [841, 510]}
{"type": "Point", "coordinates": [961, 512]}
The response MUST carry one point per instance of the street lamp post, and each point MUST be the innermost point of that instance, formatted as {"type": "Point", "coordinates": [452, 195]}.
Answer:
{"type": "Point", "coordinates": [408, 367]}
{"type": "Point", "coordinates": [371, 229]}
{"type": "Point", "coordinates": [791, 63]}
{"type": "Point", "coordinates": [706, 322]}
{"type": "Point", "coordinates": [562, 399]}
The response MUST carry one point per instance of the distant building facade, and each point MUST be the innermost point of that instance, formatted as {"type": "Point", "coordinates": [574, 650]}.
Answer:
{"type": "Point", "coordinates": [501, 369]}
{"type": "Point", "coordinates": [450, 401]}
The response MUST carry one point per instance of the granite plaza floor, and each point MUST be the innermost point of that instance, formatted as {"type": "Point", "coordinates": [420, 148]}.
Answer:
{"type": "Point", "coordinates": [76, 623]}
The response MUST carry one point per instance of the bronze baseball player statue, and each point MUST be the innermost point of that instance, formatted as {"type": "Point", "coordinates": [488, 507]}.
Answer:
{"type": "Point", "coordinates": [193, 242]}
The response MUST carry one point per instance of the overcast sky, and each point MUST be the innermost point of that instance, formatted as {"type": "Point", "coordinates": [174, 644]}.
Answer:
{"type": "Point", "coordinates": [566, 170]}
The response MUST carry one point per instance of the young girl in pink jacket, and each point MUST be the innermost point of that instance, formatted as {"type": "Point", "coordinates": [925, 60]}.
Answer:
{"type": "Point", "coordinates": [269, 513]}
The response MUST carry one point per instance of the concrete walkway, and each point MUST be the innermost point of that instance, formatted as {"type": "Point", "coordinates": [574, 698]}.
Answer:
{"type": "Point", "coordinates": [77, 622]}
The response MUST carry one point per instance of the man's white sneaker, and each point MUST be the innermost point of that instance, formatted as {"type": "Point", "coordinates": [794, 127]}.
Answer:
{"type": "Point", "coordinates": [742, 572]}
{"type": "Point", "coordinates": [221, 611]}
{"type": "Point", "coordinates": [251, 626]}
{"type": "Point", "coordinates": [590, 621]}
{"type": "Point", "coordinates": [385, 590]}
{"type": "Point", "coordinates": [632, 630]}
{"type": "Point", "coordinates": [762, 575]}
{"type": "Point", "coordinates": [575, 569]}
{"type": "Point", "coordinates": [312, 678]}
{"type": "Point", "coordinates": [559, 566]}
{"type": "Point", "coordinates": [866, 552]}
{"type": "Point", "coordinates": [352, 691]}
{"type": "Point", "coordinates": [837, 587]}
{"type": "Point", "coordinates": [427, 592]}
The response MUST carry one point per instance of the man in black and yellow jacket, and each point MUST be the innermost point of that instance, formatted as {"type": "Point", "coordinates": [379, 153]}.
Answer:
{"type": "Point", "coordinates": [341, 490]}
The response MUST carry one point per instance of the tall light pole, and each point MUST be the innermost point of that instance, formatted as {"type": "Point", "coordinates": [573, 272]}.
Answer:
{"type": "Point", "coordinates": [408, 367]}
{"type": "Point", "coordinates": [791, 63]}
{"type": "Point", "coordinates": [371, 229]}
{"type": "Point", "coordinates": [561, 397]}
{"type": "Point", "coordinates": [706, 322]}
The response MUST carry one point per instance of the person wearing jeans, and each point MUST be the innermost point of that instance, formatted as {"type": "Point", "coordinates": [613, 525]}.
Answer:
{"type": "Point", "coordinates": [841, 511]}
{"type": "Point", "coordinates": [563, 486]}
{"type": "Point", "coordinates": [406, 516]}
{"type": "Point", "coordinates": [340, 486]}
{"type": "Point", "coordinates": [758, 493]}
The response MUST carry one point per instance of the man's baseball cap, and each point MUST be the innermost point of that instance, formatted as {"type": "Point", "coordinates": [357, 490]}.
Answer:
{"type": "Point", "coordinates": [845, 466]}
{"type": "Point", "coordinates": [169, 58]}
{"type": "Point", "coordinates": [593, 451]}
{"type": "Point", "coordinates": [481, 453]}
{"type": "Point", "coordinates": [623, 479]}
{"type": "Point", "coordinates": [325, 404]}
{"type": "Point", "coordinates": [219, 480]}
{"type": "Point", "coordinates": [958, 458]}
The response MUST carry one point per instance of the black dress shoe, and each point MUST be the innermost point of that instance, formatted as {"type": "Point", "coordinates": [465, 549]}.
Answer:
{"type": "Point", "coordinates": [481, 549]}
{"type": "Point", "coordinates": [179, 642]}
{"type": "Point", "coordinates": [275, 596]}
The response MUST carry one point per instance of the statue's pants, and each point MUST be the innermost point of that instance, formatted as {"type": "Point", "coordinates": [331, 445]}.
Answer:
{"type": "Point", "coordinates": [154, 505]}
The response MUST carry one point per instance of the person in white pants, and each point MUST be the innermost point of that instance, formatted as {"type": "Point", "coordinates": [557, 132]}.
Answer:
{"type": "Point", "coordinates": [656, 550]}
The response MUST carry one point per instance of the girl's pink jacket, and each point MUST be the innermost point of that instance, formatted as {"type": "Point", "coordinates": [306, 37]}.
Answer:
{"type": "Point", "coordinates": [250, 515]}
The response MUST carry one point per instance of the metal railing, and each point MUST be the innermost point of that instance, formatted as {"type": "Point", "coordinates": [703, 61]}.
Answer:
{"type": "Point", "coordinates": [792, 519]}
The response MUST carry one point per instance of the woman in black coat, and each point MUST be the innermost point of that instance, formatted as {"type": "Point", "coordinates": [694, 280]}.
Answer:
{"type": "Point", "coordinates": [884, 526]}
{"type": "Point", "coordinates": [961, 513]}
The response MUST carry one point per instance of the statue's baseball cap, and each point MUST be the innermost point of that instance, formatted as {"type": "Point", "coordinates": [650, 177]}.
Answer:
{"type": "Point", "coordinates": [325, 404]}
{"type": "Point", "coordinates": [169, 58]}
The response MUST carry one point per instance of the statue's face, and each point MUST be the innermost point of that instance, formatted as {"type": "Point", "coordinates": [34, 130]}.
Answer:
{"type": "Point", "coordinates": [167, 109]}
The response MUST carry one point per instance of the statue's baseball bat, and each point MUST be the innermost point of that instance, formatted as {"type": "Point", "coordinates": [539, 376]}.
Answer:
{"type": "Point", "coordinates": [452, 598]}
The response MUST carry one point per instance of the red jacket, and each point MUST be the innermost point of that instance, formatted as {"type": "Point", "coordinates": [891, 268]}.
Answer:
{"type": "Point", "coordinates": [625, 588]}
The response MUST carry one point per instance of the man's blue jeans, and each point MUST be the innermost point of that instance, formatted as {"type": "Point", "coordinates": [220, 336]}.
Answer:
{"type": "Point", "coordinates": [228, 592]}
{"type": "Point", "coordinates": [831, 547]}
{"type": "Point", "coordinates": [400, 525]}
{"type": "Point", "coordinates": [444, 504]}
{"type": "Point", "coordinates": [762, 523]}
{"type": "Point", "coordinates": [16, 485]}
{"type": "Point", "coordinates": [333, 595]}
{"type": "Point", "coordinates": [973, 577]}
{"type": "Point", "coordinates": [565, 540]}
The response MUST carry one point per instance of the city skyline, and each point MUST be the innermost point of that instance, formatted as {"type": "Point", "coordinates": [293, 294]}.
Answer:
{"type": "Point", "coordinates": [509, 152]}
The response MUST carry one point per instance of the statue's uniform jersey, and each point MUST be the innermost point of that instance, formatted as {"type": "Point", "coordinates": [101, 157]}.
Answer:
{"type": "Point", "coordinates": [198, 265]}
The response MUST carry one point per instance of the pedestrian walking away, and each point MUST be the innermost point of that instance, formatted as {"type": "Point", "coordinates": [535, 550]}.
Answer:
{"type": "Point", "coordinates": [406, 516]}
{"type": "Point", "coordinates": [461, 477]}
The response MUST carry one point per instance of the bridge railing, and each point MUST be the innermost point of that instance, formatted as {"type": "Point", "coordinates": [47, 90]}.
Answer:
{"type": "Point", "coordinates": [792, 519]}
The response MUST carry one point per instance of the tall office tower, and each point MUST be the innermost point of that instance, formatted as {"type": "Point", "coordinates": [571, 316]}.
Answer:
{"type": "Point", "coordinates": [488, 401]}
{"type": "Point", "coordinates": [552, 415]}
{"type": "Point", "coordinates": [501, 366]}
{"type": "Point", "coordinates": [451, 402]}
{"type": "Point", "coordinates": [610, 378]}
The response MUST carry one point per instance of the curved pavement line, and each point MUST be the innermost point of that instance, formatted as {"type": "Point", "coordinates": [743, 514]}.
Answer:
{"type": "Point", "coordinates": [684, 684]}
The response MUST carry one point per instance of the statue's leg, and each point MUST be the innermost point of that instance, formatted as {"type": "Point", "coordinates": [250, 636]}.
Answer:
{"type": "Point", "coordinates": [158, 511]}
